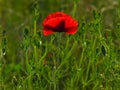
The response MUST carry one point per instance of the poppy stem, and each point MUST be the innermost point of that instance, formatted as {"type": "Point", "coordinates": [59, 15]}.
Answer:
{"type": "Point", "coordinates": [58, 47]}
{"type": "Point", "coordinates": [35, 22]}
{"type": "Point", "coordinates": [28, 70]}
{"type": "Point", "coordinates": [74, 7]}
{"type": "Point", "coordinates": [35, 48]}
{"type": "Point", "coordinates": [35, 15]}
{"type": "Point", "coordinates": [57, 62]}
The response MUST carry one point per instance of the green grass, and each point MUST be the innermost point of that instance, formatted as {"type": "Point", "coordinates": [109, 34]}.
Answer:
{"type": "Point", "coordinates": [88, 60]}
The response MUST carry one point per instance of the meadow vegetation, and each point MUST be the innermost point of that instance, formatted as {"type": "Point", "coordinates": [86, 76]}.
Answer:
{"type": "Point", "coordinates": [87, 60]}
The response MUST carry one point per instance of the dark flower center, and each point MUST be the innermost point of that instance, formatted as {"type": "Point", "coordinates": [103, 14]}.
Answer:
{"type": "Point", "coordinates": [60, 27]}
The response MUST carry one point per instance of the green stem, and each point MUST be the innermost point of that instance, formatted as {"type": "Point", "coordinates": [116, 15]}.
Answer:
{"type": "Point", "coordinates": [82, 54]}
{"type": "Point", "coordinates": [57, 64]}
{"type": "Point", "coordinates": [74, 9]}
{"type": "Point", "coordinates": [92, 58]}
{"type": "Point", "coordinates": [27, 62]}
{"type": "Point", "coordinates": [35, 27]}
{"type": "Point", "coordinates": [28, 71]}
{"type": "Point", "coordinates": [35, 53]}
{"type": "Point", "coordinates": [35, 48]}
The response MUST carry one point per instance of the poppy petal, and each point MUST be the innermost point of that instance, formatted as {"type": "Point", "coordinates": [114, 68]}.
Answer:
{"type": "Point", "coordinates": [47, 32]}
{"type": "Point", "coordinates": [71, 26]}
{"type": "Point", "coordinates": [54, 23]}
{"type": "Point", "coordinates": [55, 15]}
{"type": "Point", "coordinates": [59, 22]}
{"type": "Point", "coordinates": [71, 31]}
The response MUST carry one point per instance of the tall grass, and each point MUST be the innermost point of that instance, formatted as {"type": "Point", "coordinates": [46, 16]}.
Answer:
{"type": "Point", "coordinates": [88, 60]}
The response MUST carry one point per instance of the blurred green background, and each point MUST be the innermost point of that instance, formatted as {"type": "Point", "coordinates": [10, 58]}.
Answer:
{"type": "Point", "coordinates": [15, 15]}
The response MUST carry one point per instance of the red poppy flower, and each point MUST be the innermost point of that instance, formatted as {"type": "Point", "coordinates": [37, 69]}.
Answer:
{"type": "Point", "coordinates": [59, 22]}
